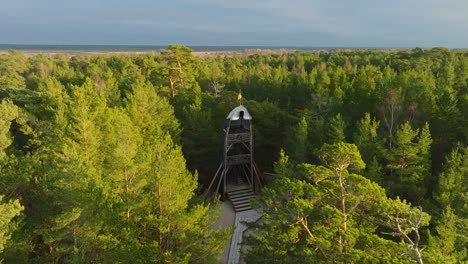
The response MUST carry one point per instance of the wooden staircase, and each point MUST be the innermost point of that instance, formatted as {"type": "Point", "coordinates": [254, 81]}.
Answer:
{"type": "Point", "coordinates": [241, 199]}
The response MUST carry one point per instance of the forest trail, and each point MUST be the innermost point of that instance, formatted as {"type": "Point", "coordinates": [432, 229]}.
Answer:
{"type": "Point", "coordinates": [249, 216]}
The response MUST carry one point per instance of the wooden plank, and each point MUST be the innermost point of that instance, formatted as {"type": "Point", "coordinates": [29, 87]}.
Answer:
{"type": "Point", "coordinates": [240, 192]}
{"type": "Point", "coordinates": [236, 197]}
{"type": "Point", "coordinates": [238, 138]}
{"type": "Point", "coordinates": [238, 159]}
{"type": "Point", "coordinates": [248, 215]}
{"type": "Point", "coordinates": [213, 180]}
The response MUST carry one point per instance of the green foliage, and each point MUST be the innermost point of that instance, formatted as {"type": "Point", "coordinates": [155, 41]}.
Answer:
{"type": "Point", "coordinates": [111, 183]}
{"type": "Point", "coordinates": [178, 68]}
{"type": "Point", "coordinates": [341, 156]}
{"type": "Point", "coordinates": [92, 147]}
{"type": "Point", "coordinates": [297, 144]}
{"type": "Point", "coordinates": [314, 213]}
{"type": "Point", "coordinates": [451, 180]}
{"type": "Point", "coordinates": [366, 138]}
{"type": "Point", "coordinates": [336, 130]}
{"type": "Point", "coordinates": [408, 163]}
{"type": "Point", "coordinates": [12, 66]}
{"type": "Point", "coordinates": [8, 112]}
{"type": "Point", "coordinates": [212, 76]}
{"type": "Point", "coordinates": [269, 131]}
{"type": "Point", "coordinates": [450, 240]}
{"type": "Point", "coordinates": [8, 211]}
{"type": "Point", "coordinates": [442, 247]}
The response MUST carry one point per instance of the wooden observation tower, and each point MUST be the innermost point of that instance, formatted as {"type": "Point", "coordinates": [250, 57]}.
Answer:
{"type": "Point", "coordinates": [237, 170]}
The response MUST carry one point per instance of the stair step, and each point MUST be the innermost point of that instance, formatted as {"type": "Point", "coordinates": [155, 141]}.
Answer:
{"type": "Point", "coordinates": [242, 205]}
{"type": "Point", "coordinates": [240, 191]}
{"type": "Point", "coordinates": [241, 195]}
{"type": "Point", "coordinates": [247, 197]}
{"type": "Point", "coordinates": [243, 198]}
{"type": "Point", "coordinates": [239, 201]}
{"type": "Point", "coordinates": [244, 208]}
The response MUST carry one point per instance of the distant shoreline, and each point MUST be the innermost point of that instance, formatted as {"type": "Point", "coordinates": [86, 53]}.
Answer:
{"type": "Point", "coordinates": [201, 54]}
{"type": "Point", "coordinates": [161, 47]}
{"type": "Point", "coordinates": [198, 51]}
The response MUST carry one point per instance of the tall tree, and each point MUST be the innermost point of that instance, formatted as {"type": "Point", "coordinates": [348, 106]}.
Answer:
{"type": "Point", "coordinates": [336, 130]}
{"type": "Point", "coordinates": [212, 77]}
{"type": "Point", "coordinates": [8, 209]}
{"type": "Point", "coordinates": [8, 112]}
{"type": "Point", "coordinates": [450, 184]}
{"type": "Point", "coordinates": [12, 67]}
{"type": "Point", "coordinates": [370, 146]}
{"type": "Point", "coordinates": [390, 109]}
{"type": "Point", "coordinates": [173, 228]}
{"type": "Point", "coordinates": [366, 138]}
{"type": "Point", "coordinates": [449, 241]}
{"type": "Point", "coordinates": [330, 214]}
{"type": "Point", "coordinates": [297, 141]}
{"type": "Point", "coordinates": [178, 68]}
{"type": "Point", "coordinates": [408, 163]}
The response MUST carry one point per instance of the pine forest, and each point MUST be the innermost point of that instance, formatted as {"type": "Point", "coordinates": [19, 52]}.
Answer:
{"type": "Point", "coordinates": [105, 158]}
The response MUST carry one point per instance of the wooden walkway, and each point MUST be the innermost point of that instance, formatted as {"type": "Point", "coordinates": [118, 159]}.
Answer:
{"type": "Point", "coordinates": [249, 216]}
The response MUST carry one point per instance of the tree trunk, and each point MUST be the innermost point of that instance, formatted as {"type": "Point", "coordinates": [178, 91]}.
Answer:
{"type": "Point", "coordinates": [173, 92]}
{"type": "Point", "coordinates": [343, 208]}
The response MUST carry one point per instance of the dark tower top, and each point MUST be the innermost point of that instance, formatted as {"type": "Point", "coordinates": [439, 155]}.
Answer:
{"type": "Point", "coordinates": [238, 120]}
{"type": "Point", "coordinates": [239, 112]}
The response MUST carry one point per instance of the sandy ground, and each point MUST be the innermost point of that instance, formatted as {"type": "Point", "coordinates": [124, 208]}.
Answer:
{"type": "Point", "coordinates": [226, 220]}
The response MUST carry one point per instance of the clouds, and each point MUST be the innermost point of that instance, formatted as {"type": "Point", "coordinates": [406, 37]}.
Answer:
{"type": "Point", "coordinates": [288, 15]}
{"type": "Point", "coordinates": [241, 22]}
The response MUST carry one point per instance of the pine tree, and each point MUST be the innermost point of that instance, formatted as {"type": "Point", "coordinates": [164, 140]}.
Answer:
{"type": "Point", "coordinates": [336, 128]}
{"type": "Point", "coordinates": [450, 184]}
{"type": "Point", "coordinates": [8, 209]}
{"type": "Point", "coordinates": [441, 248]}
{"type": "Point", "coordinates": [173, 228]}
{"type": "Point", "coordinates": [448, 243]}
{"type": "Point", "coordinates": [199, 137]}
{"type": "Point", "coordinates": [366, 138]}
{"type": "Point", "coordinates": [78, 162]}
{"type": "Point", "coordinates": [370, 147]}
{"type": "Point", "coordinates": [151, 112]}
{"type": "Point", "coordinates": [330, 214]}
{"type": "Point", "coordinates": [8, 112]}
{"type": "Point", "coordinates": [124, 167]}
{"type": "Point", "coordinates": [178, 69]}
{"type": "Point", "coordinates": [390, 109]}
{"type": "Point", "coordinates": [297, 142]}
{"type": "Point", "coordinates": [408, 163]}
{"type": "Point", "coordinates": [12, 66]}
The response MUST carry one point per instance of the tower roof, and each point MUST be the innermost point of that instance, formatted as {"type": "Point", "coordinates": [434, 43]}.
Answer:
{"type": "Point", "coordinates": [236, 112]}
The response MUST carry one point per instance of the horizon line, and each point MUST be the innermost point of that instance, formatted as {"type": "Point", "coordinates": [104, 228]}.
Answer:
{"type": "Point", "coordinates": [24, 45]}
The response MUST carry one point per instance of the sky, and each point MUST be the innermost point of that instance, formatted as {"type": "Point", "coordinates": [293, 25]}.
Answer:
{"type": "Point", "coordinates": [280, 23]}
